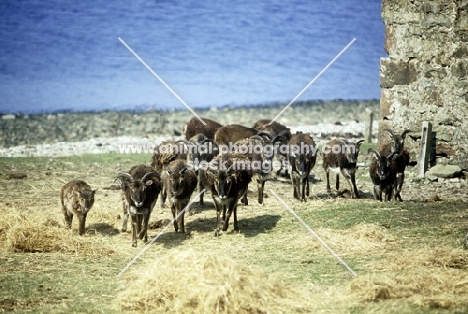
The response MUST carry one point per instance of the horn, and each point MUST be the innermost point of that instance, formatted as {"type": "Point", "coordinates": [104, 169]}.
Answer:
{"type": "Point", "coordinates": [358, 143]}
{"type": "Point", "coordinates": [123, 177]}
{"type": "Point", "coordinates": [403, 135]}
{"type": "Point", "coordinates": [267, 133]}
{"type": "Point", "coordinates": [256, 137]}
{"type": "Point", "coordinates": [169, 170]}
{"type": "Point", "coordinates": [150, 174]}
{"type": "Point", "coordinates": [391, 133]}
{"type": "Point", "coordinates": [373, 150]}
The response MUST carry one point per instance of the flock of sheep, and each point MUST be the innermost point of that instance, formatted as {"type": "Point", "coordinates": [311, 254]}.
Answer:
{"type": "Point", "coordinates": [224, 160]}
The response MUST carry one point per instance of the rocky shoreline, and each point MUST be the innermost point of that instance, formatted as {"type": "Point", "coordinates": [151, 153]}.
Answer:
{"type": "Point", "coordinates": [65, 134]}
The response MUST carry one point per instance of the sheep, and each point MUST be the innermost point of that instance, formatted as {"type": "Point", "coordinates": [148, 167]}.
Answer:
{"type": "Point", "coordinates": [232, 133]}
{"type": "Point", "coordinates": [302, 157]}
{"type": "Point", "coordinates": [195, 126]}
{"type": "Point", "coordinates": [140, 190]}
{"type": "Point", "coordinates": [275, 127]}
{"type": "Point", "coordinates": [341, 157]}
{"type": "Point", "coordinates": [201, 151]}
{"type": "Point", "coordinates": [383, 173]}
{"type": "Point", "coordinates": [260, 157]}
{"type": "Point", "coordinates": [401, 159]}
{"type": "Point", "coordinates": [180, 182]}
{"type": "Point", "coordinates": [76, 198]}
{"type": "Point", "coordinates": [229, 178]}
{"type": "Point", "coordinates": [163, 154]}
{"type": "Point", "coordinates": [283, 134]}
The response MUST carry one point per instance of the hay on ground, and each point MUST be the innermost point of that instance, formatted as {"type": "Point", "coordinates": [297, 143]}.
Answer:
{"type": "Point", "coordinates": [360, 239]}
{"type": "Point", "coordinates": [34, 232]}
{"type": "Point", "coordinates": [190, 282]}
{"type": "Point", "coordinates": [434, 277]}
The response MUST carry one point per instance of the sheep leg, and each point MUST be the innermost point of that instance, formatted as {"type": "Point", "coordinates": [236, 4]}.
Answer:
{"type": "Point", "coordinates": [244, 200]}
{"type": "Point", "coordinates": [68, 217]}
{"type": "Point", "coordinates": [377, 193]}
{"type": "Point", "coordinates": [399, 184]}
{"type": "Point", "coordinates": [260, 187]}
{"type": "Point", "coordinates": [218, 213]}
{"type": "Point", "coordinates": [303, 188]}
{"type": "Point", "coordinates": [231, 208]}
{"type": "Point", "coordinates": [352, 185]}
{"type": "Point", "coordinates": [180, 220]}
{"type": "Point", "coordinates": [134, 229]}
{"type": "Point", "coordinates": [173, 210]}
{"type": "Point", "coordinates": [201, 175]}
{"type": "Point", "coordinates": [144, 230]}
{"type": "Point", "coordinates": [236, 227]}
{"type": "Point", "coordinates": [307, 187]}
{"type": "Point", "coordinates": [337, 183]}
{"type": "Point", "coordinates": [327, 174]}
{"type": "Point", "coordinates": [163, 196]}
{"type": "Point", "coordinates": [296, 185]}
{"type": "Point", "coordinates": [81, 224]}
{"type": "Point", "coordinates": [388, 193]}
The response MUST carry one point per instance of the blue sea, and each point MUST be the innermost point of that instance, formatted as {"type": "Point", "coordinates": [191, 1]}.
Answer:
{"type": "Point", "coordinates": [66, 55]}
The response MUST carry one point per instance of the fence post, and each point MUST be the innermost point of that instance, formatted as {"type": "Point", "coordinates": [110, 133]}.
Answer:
{"type": "Point", "coordinates": [426, 136]}
{"type": "Point", "coordinates": [368, 127]}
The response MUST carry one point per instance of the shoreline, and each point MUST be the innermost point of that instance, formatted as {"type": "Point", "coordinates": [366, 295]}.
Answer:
{"type": "Point", "coordinates": [51, 135]}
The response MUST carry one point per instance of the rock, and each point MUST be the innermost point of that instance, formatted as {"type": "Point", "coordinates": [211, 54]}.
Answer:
{"type": "Point", "coordinates": [445, 171]}
{"type": "Point", "coordinates": [8, 117]}
{"type": "Point", "coordinates": [431, 177]}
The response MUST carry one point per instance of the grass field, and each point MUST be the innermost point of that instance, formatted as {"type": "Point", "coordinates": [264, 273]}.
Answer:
{"type": "Point", "coordinates": [409, 256]}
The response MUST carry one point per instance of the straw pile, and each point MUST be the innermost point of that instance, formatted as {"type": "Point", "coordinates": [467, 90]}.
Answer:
{"type": "Point", "coordinates": [34, 232]}
{"type": "Point", "coordinates": [189, 282]}
{"type": "Point", "coordinates": [360, 239]}
{"type": "Point", "coordinates": [434, 277]}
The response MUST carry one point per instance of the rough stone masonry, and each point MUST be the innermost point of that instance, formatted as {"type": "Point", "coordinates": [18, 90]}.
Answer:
{"type": "Point", "coordinates": [425, 77]}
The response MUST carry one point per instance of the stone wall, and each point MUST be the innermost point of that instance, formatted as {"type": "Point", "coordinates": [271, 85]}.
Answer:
{"type": "Point", "coordinates": [425, 77]}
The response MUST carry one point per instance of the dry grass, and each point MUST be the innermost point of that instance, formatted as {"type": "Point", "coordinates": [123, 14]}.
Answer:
{"type": "Point", "coordinates": [430, 277]}
{"type": "Point", "coordinates": [273, 265]}
{"type": "Point", "coordinates": [364, 238]}
{"type": "Point", "coordinates": [192, 282]}
{"type": "Point", "coordinates": [32, 232]}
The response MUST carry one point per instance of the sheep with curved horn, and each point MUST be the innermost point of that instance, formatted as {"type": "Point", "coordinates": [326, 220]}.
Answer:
{"type": "Point", "coordinates": [341, 157]}
{"type": "Point", "coordinates": [382, 173]}
{"type": "Point", "coordinates": [140, 190]}
{"type": "Point", "coordinates": [401, 159]}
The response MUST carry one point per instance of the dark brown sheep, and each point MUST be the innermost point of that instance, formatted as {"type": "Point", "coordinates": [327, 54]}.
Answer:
{"type": "Point", "coordinates": [201, 150]}
{"type": "Point", "coordinates": [282, 136]}
{"type": "Point", "coordinates": [165, 153]}
{"type": "Point", "coordinates": [302, 157]}
{"type": "Point", "coordinates": [195, 126]}
{"type": "Point", "coordinates": [232, 133]}
{"type": "Point", "coordinates": [383, 174]}
{"type": "Point", "coordinates": [140, 190]}
{"type": "Point", "coordinates": [400, 158]}
{"type": "Point", "coordinates": [180, 182]}
{"type": "Point", "coordinates": [341, 157]}
{"type": "Point", "coordinates": [229, 178]}
{"type": "Point", "coordinates": [261, 161]}
{"type": "Point", "coordinates": [76, 198]}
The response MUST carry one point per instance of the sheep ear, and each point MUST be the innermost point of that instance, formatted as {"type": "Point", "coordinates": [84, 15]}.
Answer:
{"type": "Point", "coordinates": [94, 191]}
